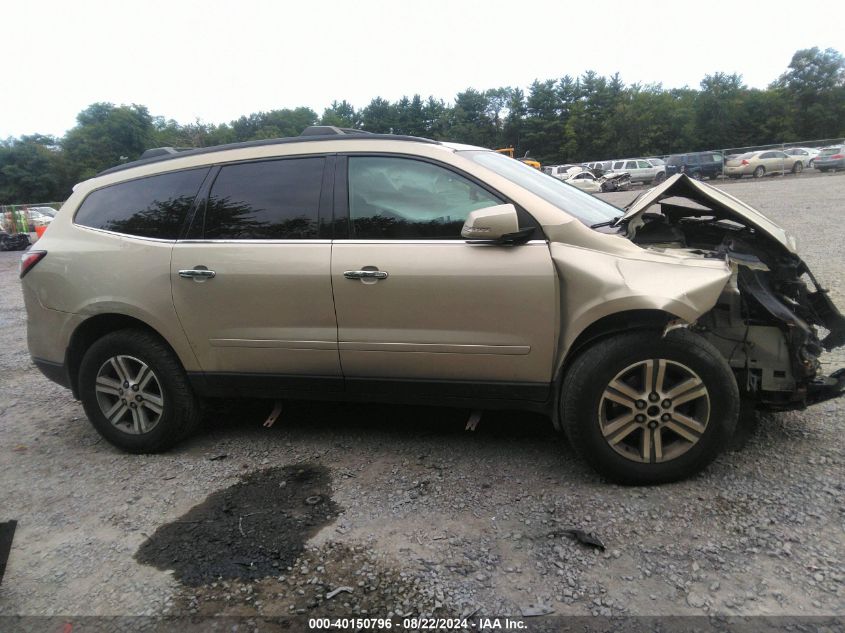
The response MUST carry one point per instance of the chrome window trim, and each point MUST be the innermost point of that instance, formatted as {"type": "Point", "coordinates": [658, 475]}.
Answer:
{"type": "Point", "coordinates": [262, 241]}
{"type": "Point", "coordinates": [462, 242]}
{"type": "Point", "coordinates": [118, 234]}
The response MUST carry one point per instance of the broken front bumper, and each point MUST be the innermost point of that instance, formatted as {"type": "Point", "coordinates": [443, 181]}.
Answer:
{"type": "Point", "coordinates": [826, 387]}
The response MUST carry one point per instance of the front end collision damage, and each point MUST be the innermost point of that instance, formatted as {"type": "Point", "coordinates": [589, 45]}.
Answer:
{"type": "Point", "coordinates": [596, 284]}
{"type": "Point", "coordinates": [766, 318]}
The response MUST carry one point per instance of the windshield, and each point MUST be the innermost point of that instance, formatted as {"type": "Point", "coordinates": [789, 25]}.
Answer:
{"type": "Point", "coordinates": [581, 205]}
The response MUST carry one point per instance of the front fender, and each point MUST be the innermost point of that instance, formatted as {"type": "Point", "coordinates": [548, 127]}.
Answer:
{"type": "Point", "coordinates": [596, 284]}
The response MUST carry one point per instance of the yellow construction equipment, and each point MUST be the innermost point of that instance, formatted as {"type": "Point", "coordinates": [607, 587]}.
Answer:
{"type": "Point", "coordinates": [528, 161]}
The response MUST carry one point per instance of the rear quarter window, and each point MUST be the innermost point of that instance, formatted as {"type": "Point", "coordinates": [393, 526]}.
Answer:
{"type": "Point", "coordinates": [154, 207]}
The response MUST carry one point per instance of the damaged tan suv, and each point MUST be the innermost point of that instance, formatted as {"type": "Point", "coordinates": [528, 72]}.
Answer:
{"type": "Point", "coordinates": [350, 266]}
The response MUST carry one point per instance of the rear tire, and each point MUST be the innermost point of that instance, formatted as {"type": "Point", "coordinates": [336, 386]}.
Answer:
{"type": "Point", "coordinates": [760, 172]}
{"type": "Point", "coordinates": [136, 393]}
{"type": "Point", "coordinates": [620, 426]}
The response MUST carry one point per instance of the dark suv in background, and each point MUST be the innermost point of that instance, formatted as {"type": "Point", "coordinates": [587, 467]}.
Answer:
{"type": "Point", "coordinates": [696, 165]}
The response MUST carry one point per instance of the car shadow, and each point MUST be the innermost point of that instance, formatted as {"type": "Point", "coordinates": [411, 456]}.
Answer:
{"type": "Point", "coordinates": [236, 416]}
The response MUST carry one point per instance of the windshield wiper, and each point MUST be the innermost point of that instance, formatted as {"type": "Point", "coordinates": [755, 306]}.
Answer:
{"type": "Point", "coordinates": [608, 222]}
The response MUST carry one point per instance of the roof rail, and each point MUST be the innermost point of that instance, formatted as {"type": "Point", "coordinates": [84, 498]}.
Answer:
{"type": "Point", "coordinates": [163, 151]}
{"type": "Point", "coordinates": [325, 133]}
{"type": "Point", "coordinates": [327, 130]}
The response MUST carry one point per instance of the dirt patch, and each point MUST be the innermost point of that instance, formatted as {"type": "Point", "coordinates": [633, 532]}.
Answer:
{"type": "Point", "coordinates": [248, 531]}
{"type": "Point", "coordinates": [333, 580]}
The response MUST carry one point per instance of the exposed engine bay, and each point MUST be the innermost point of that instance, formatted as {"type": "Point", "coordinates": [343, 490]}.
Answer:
{"type": "Point", "coordinates": [773, 319]}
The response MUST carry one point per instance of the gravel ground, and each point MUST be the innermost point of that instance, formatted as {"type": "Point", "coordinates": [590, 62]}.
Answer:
{"type": "Point", "coordinates": [417, 515]}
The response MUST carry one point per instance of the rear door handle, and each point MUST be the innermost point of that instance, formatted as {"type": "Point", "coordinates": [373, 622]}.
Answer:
{"type": "Point", "coordinates": [197, 273]}
{"type": "Point", "coordinates": [365, 274]}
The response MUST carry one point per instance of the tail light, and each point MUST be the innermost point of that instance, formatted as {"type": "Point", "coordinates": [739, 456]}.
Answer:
{"type": "Point", "coordinates": [29, 259]}
{"type": "Point", "coordinates": [744, 162]}
{"type": "Point", "coordinates": [838, 156]}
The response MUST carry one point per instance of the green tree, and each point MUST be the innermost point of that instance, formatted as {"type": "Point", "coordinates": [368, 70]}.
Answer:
{"type": "Point", "coordinates": [341, 114]}
{"type": "Point", "coordinates": [542, 130]}
{"type": "Point", "coordinates": [718, 109]}
{"type": "Point", "coordinates": [32, 169]}
{"type": "Point", "coordinates": [107, 135]}
{"type": "Point", "coordinates": [814, 88]}
{"type": "Point", "coordinates": [469, 121]}
{"type": "Point", "coordinates": [379, 116]}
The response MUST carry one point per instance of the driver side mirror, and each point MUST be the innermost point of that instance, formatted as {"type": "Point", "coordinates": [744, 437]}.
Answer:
{"type": "Point", "coordinates": [494, 225]}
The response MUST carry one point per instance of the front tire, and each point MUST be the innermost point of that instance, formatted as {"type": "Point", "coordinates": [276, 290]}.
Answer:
{"type": "Point", "coordinates": [798, 167]}
{"type": "Point", "coordinates": [642, 408]}
{"type": "Point", "coordinates": [135, 392]}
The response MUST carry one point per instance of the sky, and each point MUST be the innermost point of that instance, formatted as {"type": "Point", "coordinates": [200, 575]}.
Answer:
{"type": "Point", "coordinates": [216, 60]}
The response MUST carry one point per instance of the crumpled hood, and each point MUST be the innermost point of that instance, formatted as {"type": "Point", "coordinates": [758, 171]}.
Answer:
{"type": "Point", "coordinates": [724, 205]}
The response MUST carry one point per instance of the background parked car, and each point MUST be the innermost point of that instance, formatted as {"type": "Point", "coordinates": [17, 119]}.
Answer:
{"type": "Point", "coordinates": [758, 164]}
{"type": "Point", "coordinates": [832, 157]}
{"type": "Point", "coordinates": [585, 181]}
{"type": "Point", "coordinates": [696, 165]}
{"type": "Point", "coordinates": [640, 170]}
{"type": "Point", "coordinates": [806, 154]}
{"type": "Point", "coordinates": [562, 172]}
{"type": "Point", "coordinates": [600, 167]}
{"type": "Point", "coordinates": [38, 217]}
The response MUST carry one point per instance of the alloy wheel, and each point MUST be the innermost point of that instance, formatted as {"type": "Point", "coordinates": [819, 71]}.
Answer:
{"type": "Point", "coordinates": [129, 394]}
{"type": "Point", "coordinates": [654, 411]}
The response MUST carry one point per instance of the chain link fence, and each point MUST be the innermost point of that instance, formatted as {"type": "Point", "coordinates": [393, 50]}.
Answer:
{"type": "Point", "coordinates": [26, 218]}
{"type": "Point", "coordinates": [817, 144]}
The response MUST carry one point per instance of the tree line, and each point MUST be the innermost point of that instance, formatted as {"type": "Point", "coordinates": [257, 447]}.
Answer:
{"type": "Point", "coordinates": [570, 119]}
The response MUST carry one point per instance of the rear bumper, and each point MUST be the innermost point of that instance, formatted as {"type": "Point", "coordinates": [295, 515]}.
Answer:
{"type": "Point", "coordinates": [53, 370]}
{"type": "Point", "coordinates": [828, 164]}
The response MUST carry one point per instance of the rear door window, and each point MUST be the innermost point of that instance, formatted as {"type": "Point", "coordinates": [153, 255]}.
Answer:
{"type": "Point", "coordinates": [153, 207]}
{"type": "Point", "coordinates": [275, 200]}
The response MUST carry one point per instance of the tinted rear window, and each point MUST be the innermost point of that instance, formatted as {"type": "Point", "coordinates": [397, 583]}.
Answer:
{"type": "Point", "coordinates": [830, 151]}
{"type": "Point", "coordinates": [155, 206]}
{"type": "Point", "coordinates": [276, 199]}
{"type": "Point", "coordinates": [676, 160]}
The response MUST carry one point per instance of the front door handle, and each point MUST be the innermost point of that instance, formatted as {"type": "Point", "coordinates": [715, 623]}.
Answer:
{"type": "Point", "coordinates": [365, 274]}
{"type": "Point", "coordinates": [200, 272]}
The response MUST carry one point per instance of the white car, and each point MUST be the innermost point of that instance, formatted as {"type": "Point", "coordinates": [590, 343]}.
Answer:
{"type": "Point", "coordinates": [585, 181]}
{"type": "Point", "coordinates": [806, 154]}
{"type": "Point", "coordinates": [38, 218]}
{"type": "Point", "coordinates": [562, 172]}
